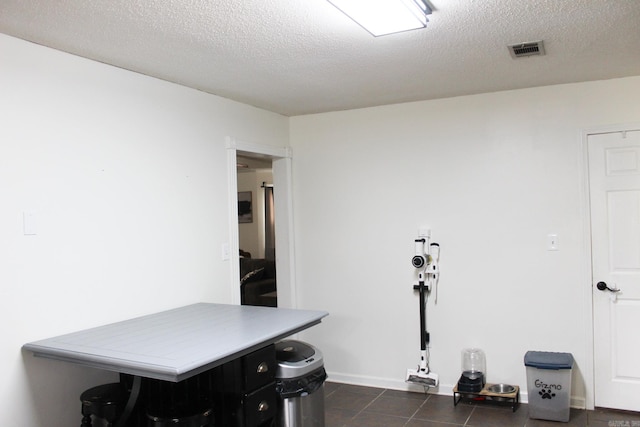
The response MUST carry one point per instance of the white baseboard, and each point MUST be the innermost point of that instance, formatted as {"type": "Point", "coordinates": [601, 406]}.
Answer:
{"type": "Point", "coordinates": [442, 389]}
{"type": "Point", "coordinates": [392, 384]}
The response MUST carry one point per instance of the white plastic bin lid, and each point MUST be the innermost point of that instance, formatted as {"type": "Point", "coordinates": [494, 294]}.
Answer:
{"type": "Point", "coordinates": [548, 360]}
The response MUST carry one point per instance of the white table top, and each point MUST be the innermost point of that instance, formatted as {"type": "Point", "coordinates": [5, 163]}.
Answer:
{"type": "Point", "coordinates": [176, 344]}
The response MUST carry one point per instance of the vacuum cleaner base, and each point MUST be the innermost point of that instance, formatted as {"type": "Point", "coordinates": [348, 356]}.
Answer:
{"type": "Point", "coordinates": [420, 377]}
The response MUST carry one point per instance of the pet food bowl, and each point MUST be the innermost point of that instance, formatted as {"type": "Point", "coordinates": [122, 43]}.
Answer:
{"type": "Point", "coordinates": [501, 388]}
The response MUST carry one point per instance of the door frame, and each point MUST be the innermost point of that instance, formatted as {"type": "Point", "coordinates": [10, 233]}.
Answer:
{"type": "Point", "coordinates": [283, 181]}
{"type": "Point", "coordinates": [589, 369]}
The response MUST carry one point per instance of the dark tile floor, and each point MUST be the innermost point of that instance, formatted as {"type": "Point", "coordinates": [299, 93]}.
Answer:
{"type": "Point", "coordinates": [357, 406]}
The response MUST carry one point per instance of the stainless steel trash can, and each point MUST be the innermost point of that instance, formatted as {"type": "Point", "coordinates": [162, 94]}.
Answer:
{"type": "Point", "coordinates": [300, 384]}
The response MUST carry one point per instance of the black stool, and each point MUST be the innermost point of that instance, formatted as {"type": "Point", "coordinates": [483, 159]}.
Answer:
{"type": "Point", "coordinates": [202, 419]}
{"type": "Point", "coordinates": [187, 403]}
{"type": "Point", "coordinates": [105, 401]}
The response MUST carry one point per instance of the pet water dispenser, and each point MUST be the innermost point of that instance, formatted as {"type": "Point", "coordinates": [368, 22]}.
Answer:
{"type": "Point", "coordinates": [474, 368]}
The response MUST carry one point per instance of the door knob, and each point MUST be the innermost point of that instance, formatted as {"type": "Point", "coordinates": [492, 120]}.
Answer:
{"type": "Point", "coordinates": [602, 286]}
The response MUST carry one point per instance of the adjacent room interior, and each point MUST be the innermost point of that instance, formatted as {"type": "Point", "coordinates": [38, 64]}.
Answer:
{"type": "Point", "coordinates": [256, 232]}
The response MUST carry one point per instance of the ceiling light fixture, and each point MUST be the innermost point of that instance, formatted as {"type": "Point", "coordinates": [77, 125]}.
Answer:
{"type": "Point", "coordinates": [382, 17]}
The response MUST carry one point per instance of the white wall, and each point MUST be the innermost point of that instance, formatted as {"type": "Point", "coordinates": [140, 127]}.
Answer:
{"type": "Point", "coordinates": [492, 175]}
{"type": "Point", "coordinates": [128, 178]}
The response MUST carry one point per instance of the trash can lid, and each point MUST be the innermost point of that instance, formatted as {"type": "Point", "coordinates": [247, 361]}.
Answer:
{"type": "Point", "coordinates": [296, 358]}
{"type": "Point", "coordinates": [293, 351]}
{"type": "Point", "coordinates": [548, 360]}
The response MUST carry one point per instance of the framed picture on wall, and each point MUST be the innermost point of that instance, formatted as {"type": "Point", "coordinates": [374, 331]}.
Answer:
{"type": "Point", "coordinates": [245, 207]}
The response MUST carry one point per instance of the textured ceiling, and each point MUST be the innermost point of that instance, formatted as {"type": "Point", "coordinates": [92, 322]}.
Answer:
{"type": "Point", "coordinates": [303, 56]}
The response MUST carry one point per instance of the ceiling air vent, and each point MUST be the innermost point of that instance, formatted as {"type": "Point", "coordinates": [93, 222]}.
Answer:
{"type": "Point", "coordinates": [519, 50]}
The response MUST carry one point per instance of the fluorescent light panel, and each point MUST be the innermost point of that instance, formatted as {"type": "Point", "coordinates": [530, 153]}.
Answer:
{"type": "Point", "coordinates": [381, 17]}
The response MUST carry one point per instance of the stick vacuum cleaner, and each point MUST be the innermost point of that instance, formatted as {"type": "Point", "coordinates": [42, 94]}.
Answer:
{"type": "Point", "coordinates": [426, 262]}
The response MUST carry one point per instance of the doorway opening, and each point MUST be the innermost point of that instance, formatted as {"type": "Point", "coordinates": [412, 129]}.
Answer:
{"type": "Point", "coordinates": [279, 189]}
{"type": "Point", "coordinates": [256, 231]}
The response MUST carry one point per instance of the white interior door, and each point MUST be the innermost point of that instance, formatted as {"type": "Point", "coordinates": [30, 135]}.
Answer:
{"type": "Point", "coordinates": [614, 181]}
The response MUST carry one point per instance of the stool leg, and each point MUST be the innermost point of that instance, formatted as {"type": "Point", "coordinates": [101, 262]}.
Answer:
{"type": "Point", "coordinates": [86, 421]}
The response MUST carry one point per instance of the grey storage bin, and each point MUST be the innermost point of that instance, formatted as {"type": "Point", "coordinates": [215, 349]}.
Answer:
{"type": "Point", "coordinates": [549, 384]}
